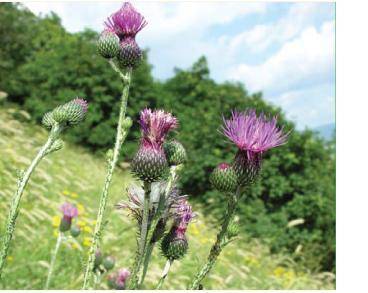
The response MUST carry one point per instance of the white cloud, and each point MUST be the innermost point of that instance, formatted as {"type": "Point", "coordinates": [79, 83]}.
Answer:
{"type": "Point", "coordinates": [262, 36]}
{"type": "Point", "coordinates": [308, 58]}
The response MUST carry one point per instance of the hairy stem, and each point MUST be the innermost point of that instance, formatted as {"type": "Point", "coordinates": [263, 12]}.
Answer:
{"type": "Point", "coordinates": [164, 274]}
{"type": "Point", "coordinates": [170, 183]}
{"type": "Point", "coordinates": [120, 137]}
{"type": "Point", "coordinates": [220, 242]}
{"type": "Point", "coordinates": [53, 259]}
{"type": "Point", "coordinates": [133, 283]}
{"type": "Point", "coordinates": [22, 183]}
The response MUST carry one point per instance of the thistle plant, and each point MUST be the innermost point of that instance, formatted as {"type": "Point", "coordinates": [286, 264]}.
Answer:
{"type": "Point", "coordinates": [253, 135]}
{"type": "Point", "coordinates": [117, 44]}
{"type": "Point", "coordinates": [118, 279]}
{"type": "Point", "coordinates": [69, 212]}
{"type": "Point", "coordinates": [62, 117]}
{"type": "Point", "coordinates": [150, 165]}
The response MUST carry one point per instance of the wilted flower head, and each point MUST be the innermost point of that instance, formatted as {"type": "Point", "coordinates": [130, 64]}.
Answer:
{"type": "Point", "coordinates": [135, 201]}
{"type": "Point", "coordinates": [69, 210]}
{"type": "Point", "coordinates": [155, 125]}
{"type": "Point", "coordinates": [126, 22]}
{"type": "Point", "coordinates": [183, 214]}
{"type": "Point", "coordinates": [253, 134]}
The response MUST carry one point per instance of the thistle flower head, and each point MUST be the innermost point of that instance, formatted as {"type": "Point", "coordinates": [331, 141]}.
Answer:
{"type": "Point", "coordinates": [155, 125]}
{"type": "Point", "coordinates": [126, 22]}
{"type": "Point", "coordinates": [69, 210]}
{"type": "Point", "coordinates": [183, 214]}
{"type": "Point", "coordinates": [253, 134]}
{"type": "Point", "coordinates": [71, 113]}
{"type": "Point", "coordinates": [121, 277]}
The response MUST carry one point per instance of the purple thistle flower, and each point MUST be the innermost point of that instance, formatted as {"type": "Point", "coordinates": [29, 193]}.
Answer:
{"type": "Point", "coordinates": [155, 125]}
{"type": "Point", "coordinates": [183, 214]}
{"type": "Point", "coordinates": [122, 276]}
{"type": "Point", "coordinates": [69, 211]}
{"type": "Point", "coordinates": [253, 134]}
{"type": "Point", "coordinates": [126, 22]}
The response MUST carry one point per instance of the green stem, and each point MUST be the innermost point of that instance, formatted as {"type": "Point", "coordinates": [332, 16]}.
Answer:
{"type": "Point", "coordinates": [22, 183]}
{"type": "Point", "coordinates": [146, 261]}
{"type": "Point", "coordinates": [219, 244]}
{"type": "Point", "coordinates": [53, 259]}
{"type": "Point", "coordinates": [170, 183]}
{"type": "Point", "coordinates": [120, 137]}
{"type": "Point", "coordinates": [133, 283]}
{"type": "Point", "coordinates": [164, 274]}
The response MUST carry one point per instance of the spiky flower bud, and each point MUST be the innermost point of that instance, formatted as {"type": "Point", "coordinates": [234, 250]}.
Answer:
{"type": "Point", "coordinates": [174, 245]}
{"type": "Point", "coordinates": [71, 113]}
{"type": "Point", "coordinates": [108, 44]}
{"type": "Point", "coordinates": [75, 231]}
{"type": "Point", "coordinates": [127, 123]}
{"type": "Point", "coordinates": [130, 55]}
{"type": "Point", "coordinates": [57, 145]}
{"type": "Point", "coordinates": [232, 230]}
{"type": "Point", "coordinates": [108, 263]}
{"type": "Point", "coordinates": [47, 120]}
{"type": "Point", "coordinates": [224, 178]}
{"type": "Point", "coordinates": [149, 164]}
{"type": "Point", "coordinates": [175, 153]}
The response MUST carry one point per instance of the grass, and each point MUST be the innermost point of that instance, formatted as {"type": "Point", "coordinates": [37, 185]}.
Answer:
{"type": "Point", "coordinates": [75, 175]}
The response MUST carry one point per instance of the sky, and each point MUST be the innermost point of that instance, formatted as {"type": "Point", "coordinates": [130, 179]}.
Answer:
{"type": "Point", "coordinates": [285, 50]}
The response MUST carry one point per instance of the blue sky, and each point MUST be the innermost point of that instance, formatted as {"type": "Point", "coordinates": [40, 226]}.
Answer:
{"type": "Point", "coordinates": [285, 50]}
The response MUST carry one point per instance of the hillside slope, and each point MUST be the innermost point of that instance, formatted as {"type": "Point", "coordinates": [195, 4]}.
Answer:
{"type": "Point", "coordinates": [73, 174]}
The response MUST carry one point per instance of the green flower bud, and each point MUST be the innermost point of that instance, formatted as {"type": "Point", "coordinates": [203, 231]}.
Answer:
{"type": "Point", "coordinates": [108, 45]}
{"type": "Point", "coordinates": [175, 153]}
{"type": "Point", "coordinates": [149, 164]}
{"type": "Point", "coordinates": [224, 178]}
{"type": "Point", "coordinates": [127, 123]}
{"type": "Point", "coordinates": [71, 113]}
{"type": "Point", "coordinates": [174, 245]}
{"type": "Point", "coordinates": [57, 145]}
{"type": "Point", "coordinates": [232, 230]}
{"type": "Point", "coordinates": [75, 231]}
{"type": "Point", "coordinates": [47, 120]}
{"type": "Point", "coordinates": [109, 263]}
{"type": "Point", "coordinates": [98, 259]}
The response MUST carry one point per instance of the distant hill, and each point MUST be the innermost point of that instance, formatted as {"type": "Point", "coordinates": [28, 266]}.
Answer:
{"type": "Point", "coordinates": [327, 131]}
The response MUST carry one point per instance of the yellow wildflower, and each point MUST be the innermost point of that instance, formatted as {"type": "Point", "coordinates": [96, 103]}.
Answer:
{"type": "Point", "coordinates": [193, 229]}
{"type": "Point", "coordinates": [56, 233]}
{"type": "Point", "coordinates": [66, 192]}
{"type": "Point", "coordinates": [279, 271]}
{"type": "Point", "coordinates": [87, 229]}
{"type": "Point", "coordinates": [81, 209]}
{"type": "Point", "coordinates": [87, 241]}
{"type": "Point", "coordinates": [74, 195]}
{"type": "Point", "coordinates": [82, 224]}
{"type": "Point", "coordinates": [10, 258]}
{"type": "Point", "coordinates": [75, 245]}
{"type": "Point", "coordinates": [56, 221]}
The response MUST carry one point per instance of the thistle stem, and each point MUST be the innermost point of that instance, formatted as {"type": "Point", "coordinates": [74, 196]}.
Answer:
{"type": "Point", "coordinates": [22, 183]}
{"type": "Point", "coordinates": [164, 274]}
{"type": "Point", "coordinates": [133, 283]}
{"type": "Point", "coordinates": [219, 244]}
{"type": "Point", "coordinates": [120, 137]}
{"type": "Point", "coordinates": [53, 259]}
{"type": "Point", "coordinates": [170, 183]}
